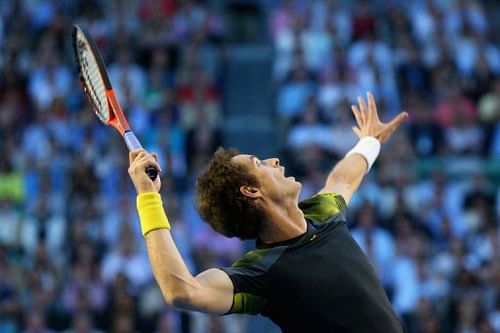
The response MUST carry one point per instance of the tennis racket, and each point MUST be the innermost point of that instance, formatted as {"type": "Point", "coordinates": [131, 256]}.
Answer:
{"type": "Point", "coordinates": [97, 87]}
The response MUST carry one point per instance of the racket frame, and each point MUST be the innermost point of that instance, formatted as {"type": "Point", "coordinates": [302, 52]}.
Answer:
{"type": "Point", "coordinates": [116, 117]}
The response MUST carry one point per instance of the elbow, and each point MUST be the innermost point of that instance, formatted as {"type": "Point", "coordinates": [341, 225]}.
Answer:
{"type": "Point", "coordinates": [180, 292]}
{"type": "Point", "coordinates": [179, 299]}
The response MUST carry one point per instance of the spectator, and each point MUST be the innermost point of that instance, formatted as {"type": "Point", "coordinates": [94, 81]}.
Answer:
{"type": "Point", "coordinates": [454, 107]}
{"type": "Point", "coordinates": [426, 136]}
{"type": "Point", "coordinates": [489, 113]}
{"type": "Point", "coordinates": [126, 260]}
{"type": "Point", "coordinates": [293, 96]}
{"type": "Point", "coordinates": [84, 293]}
{"type": "Point", "coordinates": [35, 323]}
{"type": "Point", "coordinates": [310, 130]}
{"type": "Point", "coordinates": [46, 227]}
{"type": "Point", "coordinates": [82, 323]}
{"type": "Point", "coordinates": [376, 242]}
{"type": "Point", "coordinates": [128, 77]}
{"type": "Point", "coordinates": [51, 79]}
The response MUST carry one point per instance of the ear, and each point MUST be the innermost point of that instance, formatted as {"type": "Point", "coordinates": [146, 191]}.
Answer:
{"type": "Point", "coordinates": [250, 192]}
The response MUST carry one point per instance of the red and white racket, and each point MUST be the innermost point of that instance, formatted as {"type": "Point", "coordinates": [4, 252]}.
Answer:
{"type": "Point", "coordinates": [96, 85]}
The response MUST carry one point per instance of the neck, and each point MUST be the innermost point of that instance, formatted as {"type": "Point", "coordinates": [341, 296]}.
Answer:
{"type": "Point", "coordinates": [284, 221]}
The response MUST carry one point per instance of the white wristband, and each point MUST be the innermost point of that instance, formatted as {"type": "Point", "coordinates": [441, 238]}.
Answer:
{"type": "Point", "coordinates": [369, 148]}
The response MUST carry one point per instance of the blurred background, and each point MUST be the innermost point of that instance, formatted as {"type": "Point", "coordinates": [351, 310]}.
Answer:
{"type": "Point", "coordinates": [273, 78]}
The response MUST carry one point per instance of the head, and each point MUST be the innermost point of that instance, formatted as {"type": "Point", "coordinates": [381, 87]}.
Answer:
{"type": "Point", "coordinates": [235, 189]}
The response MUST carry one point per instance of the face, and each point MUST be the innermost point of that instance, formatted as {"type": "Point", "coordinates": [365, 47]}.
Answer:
{"type": "Point", "coordinates": [271, 175]}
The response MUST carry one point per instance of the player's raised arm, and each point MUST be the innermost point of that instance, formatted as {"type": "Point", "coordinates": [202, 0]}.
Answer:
{"type": "Point", "coordinates": [347, 175]}
{"type": "Point", "coordinates": [210, 291]}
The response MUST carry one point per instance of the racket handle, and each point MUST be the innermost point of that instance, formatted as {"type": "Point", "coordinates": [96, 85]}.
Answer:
{"type": "Point", "coordinates": [152, 172]}
{"type": "Point", "coordinates": [131, 140]}
{"type": "Point", "coordinates": [132, 144]}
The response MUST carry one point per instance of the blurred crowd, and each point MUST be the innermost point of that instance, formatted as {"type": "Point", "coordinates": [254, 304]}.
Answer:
{"type": "Point", "coordinates": [72, 257]}
{"type": "Point", "coordinates": [427, 216]}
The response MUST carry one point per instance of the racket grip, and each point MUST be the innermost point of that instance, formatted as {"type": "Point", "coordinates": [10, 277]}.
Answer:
{"type": "Point", "coordinates": [132, 144]}
{"type": "Point", "coordinates": [152, 172]}
{"type": "Point", "coordinates": [131, 140]}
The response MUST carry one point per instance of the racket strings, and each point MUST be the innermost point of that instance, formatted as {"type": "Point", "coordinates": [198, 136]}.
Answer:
{"type": "Point", "coordinates": [93, 83]}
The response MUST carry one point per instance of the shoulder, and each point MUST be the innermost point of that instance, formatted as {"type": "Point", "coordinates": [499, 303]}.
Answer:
{"type": "Point", "coordinates": [256, 262]}
{"type": "Point", "coordinates": [323, 207]}
{"type": "Point", "coordinates": [251, 281]}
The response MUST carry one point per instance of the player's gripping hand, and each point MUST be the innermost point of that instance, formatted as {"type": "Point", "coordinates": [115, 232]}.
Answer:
{"type": "Point", "coordinates": [140, 160]}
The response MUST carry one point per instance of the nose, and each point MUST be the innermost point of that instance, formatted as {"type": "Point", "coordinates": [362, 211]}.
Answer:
{"type": "Point", "coordinates": [274, 162]}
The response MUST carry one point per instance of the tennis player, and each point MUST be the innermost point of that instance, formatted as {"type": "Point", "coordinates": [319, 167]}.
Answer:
{"type": "Point", "coordinates": [307, 274]}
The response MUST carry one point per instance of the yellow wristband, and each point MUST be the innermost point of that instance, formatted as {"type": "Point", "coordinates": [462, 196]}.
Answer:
{"type": "Point", "coordinates": [151, 212]}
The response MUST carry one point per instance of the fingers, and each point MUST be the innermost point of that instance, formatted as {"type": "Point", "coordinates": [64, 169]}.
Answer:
{"type": "Point", "coordinates": [372, 107]}
{"type": "Point", "coordinates": [362, 105]}
{"type": "Point", "coordinates": [147, 161]}
{"type": "Point", "coordinates": [140, 158]}
{"type": "Point", "coordinates": [136, 153]}
{"type": "Point", "coordinates": [357, 114]}
{"type": "Point", "coordinates": [365, 111]}
{"type": "Point", "coordinates": [132, 155]}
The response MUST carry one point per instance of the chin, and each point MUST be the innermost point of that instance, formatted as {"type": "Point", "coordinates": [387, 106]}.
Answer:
{"type": "Point", "coordinates": [298, 190]}
{"type": "Point", "coordinates": [299, 186]}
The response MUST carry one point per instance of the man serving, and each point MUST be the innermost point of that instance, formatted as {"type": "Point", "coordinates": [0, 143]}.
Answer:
{"type": "Point", "coordinates": [307, 274]}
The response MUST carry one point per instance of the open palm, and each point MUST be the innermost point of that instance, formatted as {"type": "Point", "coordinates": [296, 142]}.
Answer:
{"type": "Point", "coordinates": [369, 123]}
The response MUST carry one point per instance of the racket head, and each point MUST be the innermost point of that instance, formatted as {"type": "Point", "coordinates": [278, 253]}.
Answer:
{"type": "Point", "coordinates": [92, 73]}
{"type": "Point", "coordinates": [97, 87]}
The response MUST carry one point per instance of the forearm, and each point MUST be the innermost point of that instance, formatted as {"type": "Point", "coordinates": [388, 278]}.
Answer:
{"type": "Point", "coordinates": [169, 269]}
{"type": "Point", "coordinates": [210, 291]}
{"type": "Point", "coordinates": [348, 174]}
{"type": "Point", "coordinates": [177, 284]}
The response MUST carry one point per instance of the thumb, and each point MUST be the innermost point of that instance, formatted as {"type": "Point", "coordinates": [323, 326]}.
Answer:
{"type": "Point", "coordinates": [390, 127]}
{"type": "Point", "coordinates": [155, 157]}
{"type": "Point", "coordinates": [356, 131]}
{"type": "Point", "coordinates": [398, 120]}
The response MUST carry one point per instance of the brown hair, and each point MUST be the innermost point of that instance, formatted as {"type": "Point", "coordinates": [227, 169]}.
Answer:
{"type": "Point", "coordinates": [219, 200]}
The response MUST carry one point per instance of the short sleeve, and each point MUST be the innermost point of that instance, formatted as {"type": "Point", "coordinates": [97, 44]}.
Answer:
{"type": "Point", "coordinates": [324, 207]}
{"type": "Point", "coordinates": [251, 280]}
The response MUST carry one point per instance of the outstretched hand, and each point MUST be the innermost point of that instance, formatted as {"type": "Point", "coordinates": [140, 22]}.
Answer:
{"type": "Point", "coordinates": [369, 123]}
